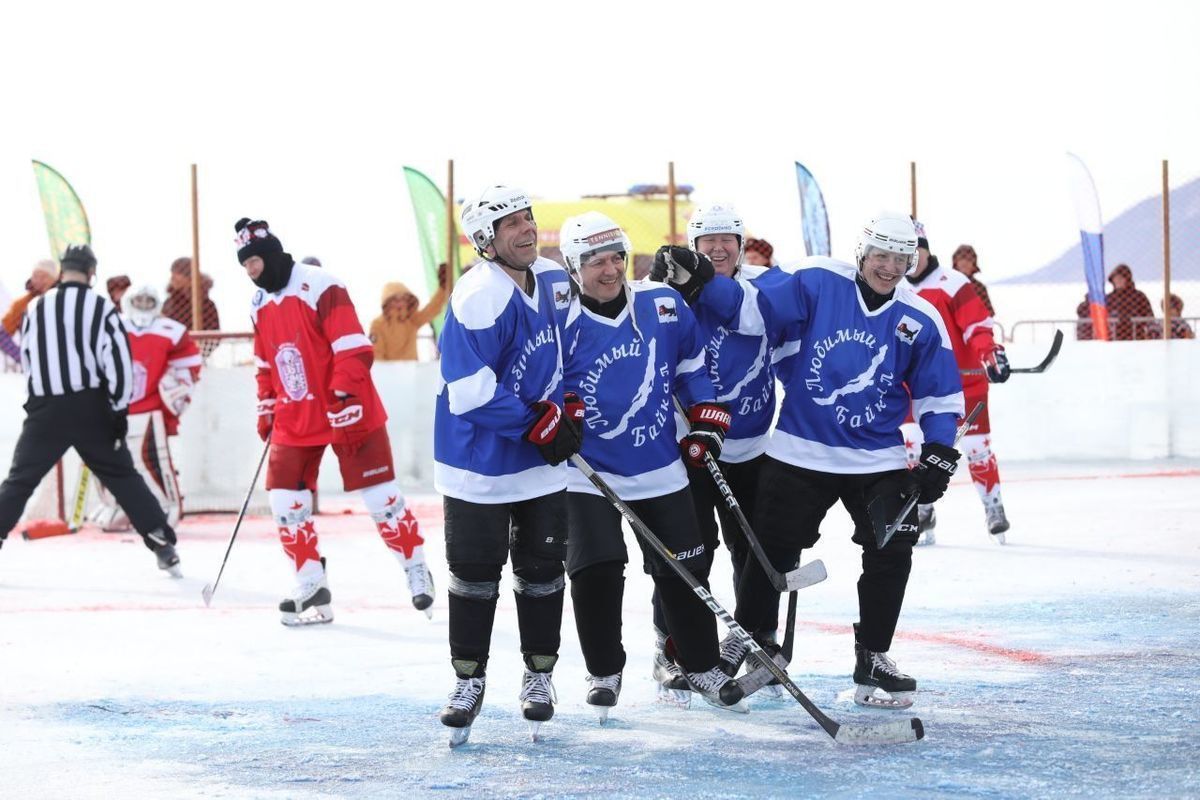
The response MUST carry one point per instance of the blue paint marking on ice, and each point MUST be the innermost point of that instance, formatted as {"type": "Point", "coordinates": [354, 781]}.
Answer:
{"type": "Point", "coordinates": [1112, 714]}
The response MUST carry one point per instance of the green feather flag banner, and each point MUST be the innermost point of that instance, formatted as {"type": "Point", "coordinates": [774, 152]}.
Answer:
{"type": "Point", "coordinates": [429, 205]}
{"type": "Point", "coordinates": [66, 221]}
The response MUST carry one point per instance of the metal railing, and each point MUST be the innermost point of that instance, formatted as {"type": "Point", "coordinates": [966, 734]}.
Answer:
{"type": "Point", "coordinates": [1142, 328]}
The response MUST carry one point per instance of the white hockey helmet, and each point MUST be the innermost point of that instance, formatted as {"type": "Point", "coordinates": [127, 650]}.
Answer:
{"type": "Point", "coordinates": [143, 305]}
{"type": "Point", "coordinates": [891, 232]}
{"type": "Point", "coordinates": [717, 218]}
{"type": "Point", "coordinates": [588, 233]}
{"type": "Point", "coordinates": [479, 218]}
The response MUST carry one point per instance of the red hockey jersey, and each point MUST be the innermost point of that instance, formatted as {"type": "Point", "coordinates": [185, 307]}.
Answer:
{"type": "Point", "coordinates": [308, 343]}
{"type": "Point", "coordinates": [967, 319]}
{"type": "Point", "coordinates": [164, 346]}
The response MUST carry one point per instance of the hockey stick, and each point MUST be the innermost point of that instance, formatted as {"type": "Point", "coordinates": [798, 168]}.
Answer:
{"type": "Point", "coordinates": [799, 578]}
{"type": "Point", "coordinates": [875, 509]}
{"type": "Point", "coordinates": [211, 588]}
{"type": "Point", "coordinates": [909, 730]}
{"type": "Point", "coordinates": [1055, 346]}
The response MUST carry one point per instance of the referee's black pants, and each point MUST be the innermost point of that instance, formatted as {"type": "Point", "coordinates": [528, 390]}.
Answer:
{"type": "Point", "coordinates": [83, 421]}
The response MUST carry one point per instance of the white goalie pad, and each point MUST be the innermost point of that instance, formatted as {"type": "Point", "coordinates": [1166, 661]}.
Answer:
{"type": "Point", "coordinates": [148, 444]}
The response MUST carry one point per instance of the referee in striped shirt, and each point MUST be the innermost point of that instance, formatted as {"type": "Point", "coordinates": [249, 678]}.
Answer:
{"type": "Point", "coordinates": [76, 353]}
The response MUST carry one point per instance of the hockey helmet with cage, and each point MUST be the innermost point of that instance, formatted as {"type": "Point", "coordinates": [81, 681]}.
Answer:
{"type": "Point", "coordinates": [714, 219]}
{"type": "Point", "coordinates": [479, 218]}
{"type": "Point", "coordinates": [589, 233]}
{"type": "Point", "coordinates": [143, 306]}
{"type": "Point", "coordinates": [890, 232]}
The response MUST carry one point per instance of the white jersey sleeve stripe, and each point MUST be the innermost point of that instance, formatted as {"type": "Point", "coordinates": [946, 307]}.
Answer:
{"type": "Point", "coordinates": [750, 318]}
{"type": "Point", "coordinates": [950, 404]}
{"type": "Point", "coordinates": [970, 330]}
{"type": "Point", "coordinates": [350, 342]}
{"type": "Point", "coordinates": [469, 393]}
{"type": "Point", "coordinates": [187, 361]}
{"type": "Point", "coordinates": [689, 365]}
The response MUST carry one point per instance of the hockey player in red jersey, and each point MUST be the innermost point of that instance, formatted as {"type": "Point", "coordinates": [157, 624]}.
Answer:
{"type": "Point", "coordinates": [969, 325]}
{"type": "Point", "coordinates": [166, 366]}
{"type": "Point", "coordinates": [314, 390]}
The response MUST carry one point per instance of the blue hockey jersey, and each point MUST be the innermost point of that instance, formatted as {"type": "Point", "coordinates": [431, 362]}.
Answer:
{"type": "Point", "coordinates": [848, 371]}
{"type": "Point", "coordinates": [627, 371]}
{"type": "Point", "coordinates": [740, 366]}
{"type": "Point", "coordinates": [501, 353]}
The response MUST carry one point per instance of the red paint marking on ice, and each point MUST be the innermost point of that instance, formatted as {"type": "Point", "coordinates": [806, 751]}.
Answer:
{"type": "Point", "coordinates": [1165, 473]}
{"type": "Point", "coordinates": [257, 609]}
{"type": "Point", "coordinates": [951, 640]}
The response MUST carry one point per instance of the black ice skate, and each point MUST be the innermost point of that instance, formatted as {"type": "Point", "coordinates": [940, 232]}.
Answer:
{"type": "Point", "coordinates": [537, 692]}
{"type": "Point", "coordinates": [733, 653]}
{"type": "Point", "coordinates": [673, 688]}
{"type": "Point", "coordinates": [164, 552]}
{"type": "Point", "coordinates": [926, 522]}
{"type": "Point", "coordinates": [997, 522]}
{"type": "Point", "coordinates": [466, 701]}
{"type": "Point", "coordinates": [875, 671]}
{"type": "Point", "coordinates": [309, 603]}
{"type": "Point", "coordinates": [718, 689]}
{"type": "Point", "coordinates": [420, 584]}
{"type": "Point", "coordinates": [603, 691]}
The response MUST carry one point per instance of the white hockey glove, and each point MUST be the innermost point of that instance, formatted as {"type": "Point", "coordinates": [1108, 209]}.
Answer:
{"type": "Point", "coordinates": [175, 389]}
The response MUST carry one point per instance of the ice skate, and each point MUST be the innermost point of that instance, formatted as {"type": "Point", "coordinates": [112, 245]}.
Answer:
{"type": "Point", "coordinates": [733, 653]}
{"type": "Point", "coordinates": [718, 689]}
{"type": "Point", "coordinates": [537, 693]}
{"type": "Point", "coordinates": [603, 691]}
{"type": "Point", "coordinates": [926, 522]}
{"type": "Point", "coordinates": [673, 688]}
{"type": "Point", "coordinates": [758, 680]}
{"type": "Point", "coordinates": [875, 672]}
{"type": "Point", "coordinates": [310, 602]}
{"type": "Point", "coordinates": [420, 584]}
{"type": "Point", "coordinates": [164, 553]}
{"type": "Point", "coordinates": [997, 522]}
{"type": "Point", "coordinates": [466, 701]}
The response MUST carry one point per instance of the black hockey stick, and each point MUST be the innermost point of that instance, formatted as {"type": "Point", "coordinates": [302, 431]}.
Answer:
{"type": "Point", "coordinates": [908, 730]}
{"type": "Point", "coordinates": [885, 532]}
{"type": "Point", "coordinates": [799, 578]}
{"type": "Point", "coordinates": [211, 588]}
{"type": "Point", "coordinates": [1055, 346]}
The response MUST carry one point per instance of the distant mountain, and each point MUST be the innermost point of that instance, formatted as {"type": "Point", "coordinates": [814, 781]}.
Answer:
{"type": "Point", "coordinates": [1135, 238]}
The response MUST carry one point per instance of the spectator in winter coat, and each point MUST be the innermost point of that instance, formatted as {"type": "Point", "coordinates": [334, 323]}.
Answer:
{"type": "Point", "coordinates": [759, 253]}
{"type": "Point", "coordinates": [394, 332]}
{"type": "Point", "coordinates": [966, 261]}
{"type": "Point", "coordinates": [1179, 328]}
{"type": "Point", "coordinates": [45, 275]}
{"type": "Point", "coordinates": [178, 305]}
{"type": "Point", "coordinates": [117, 286]}
{"type": "Point", "coordinates": [1125, 302]}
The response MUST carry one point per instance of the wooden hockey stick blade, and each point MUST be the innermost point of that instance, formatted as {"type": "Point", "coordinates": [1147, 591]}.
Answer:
{"type": "Point", "coordinates": [807, 575]}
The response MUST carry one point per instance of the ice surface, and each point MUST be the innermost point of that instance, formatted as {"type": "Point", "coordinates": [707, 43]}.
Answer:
{"type": "Point", "coordinates": [1062, 664]}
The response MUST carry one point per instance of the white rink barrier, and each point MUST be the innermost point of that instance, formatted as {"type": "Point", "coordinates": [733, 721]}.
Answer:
{"type": "Point", "coordinates": [1100, 400]}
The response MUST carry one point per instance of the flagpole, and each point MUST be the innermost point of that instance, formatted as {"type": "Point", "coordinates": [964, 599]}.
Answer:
{"type": "Point", "coordinates": [195, 253]}
{"type": "Point", "coordinates": [912, 181]}
{"type": "Point", "coordinates": [451, 239]}
{"type": "Point", "coordinates": [671, 200]}
{"type": "Point", "coordinates": [1166, 212]}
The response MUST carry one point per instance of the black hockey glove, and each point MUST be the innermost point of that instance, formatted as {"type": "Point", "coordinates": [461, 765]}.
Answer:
{"type": "Point", "coordinates": [932, 475]}
{"type": "Point", "coordinates": [573, 411]}
{"type": "Point", "coordinates": [682, 269]}
{"type": "Point", "coordinates": [996, 366]}
{"type": "Point", "coordinates": [556, 441]}
{"type": "Point", "coordinates": [120, 425]}
{"type": "Point", "coordinates": [709, 423]}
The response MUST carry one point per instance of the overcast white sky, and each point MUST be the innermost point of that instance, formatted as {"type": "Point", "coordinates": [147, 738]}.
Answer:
{"type": "Point", "coordinates": [304, 113]}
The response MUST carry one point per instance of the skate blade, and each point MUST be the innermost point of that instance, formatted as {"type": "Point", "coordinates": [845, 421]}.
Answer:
{"type": "Point", "coordinates": [459, 736]}
{"type": "Point", "coordinates": [174, 571]}
{"type": "Point", "coordinates": [322, 616]}
{"type": "Point", "coordinates": [739, 707]}
{"type": "Point", "coordinates": [677, 698]}
{"type": "Point", "coordinates": [999, 538]}
{"type": "Point", "coordinates": [865, 696]}
{"type": "Point", "coordinates": [535, 729]}
{"type": "Point", "coordinates": [601, 713]}
{"type": "Point", "coordinates": [428, 612]}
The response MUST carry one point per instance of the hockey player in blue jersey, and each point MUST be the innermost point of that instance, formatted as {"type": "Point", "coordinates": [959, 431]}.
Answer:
{"type": "Point", "coordinates": [743, 375]}
{"type": "Point", "coordinates": [628, 350]}
{"type": "Point", "coordinates": [500, 440]}
{"type": "Point", "coordinates": [866, 342]}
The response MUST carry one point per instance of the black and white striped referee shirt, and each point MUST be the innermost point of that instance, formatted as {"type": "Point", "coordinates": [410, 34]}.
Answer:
{"type": "Point", "coordinates": [72, 339]}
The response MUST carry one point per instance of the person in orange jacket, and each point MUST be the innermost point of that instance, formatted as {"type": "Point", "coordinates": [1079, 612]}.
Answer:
{"type": "Point", "coordinates": [45, 275]}
{"type": "Point", "coordinates": [394, 332]}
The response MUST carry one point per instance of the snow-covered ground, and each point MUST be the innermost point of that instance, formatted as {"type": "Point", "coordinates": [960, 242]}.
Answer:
{"type": "Point", "coordinates": [1062, 664]}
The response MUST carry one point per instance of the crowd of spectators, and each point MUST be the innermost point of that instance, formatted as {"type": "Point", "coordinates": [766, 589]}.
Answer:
{"type": "Point", "coordinates": [1130, 315]}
